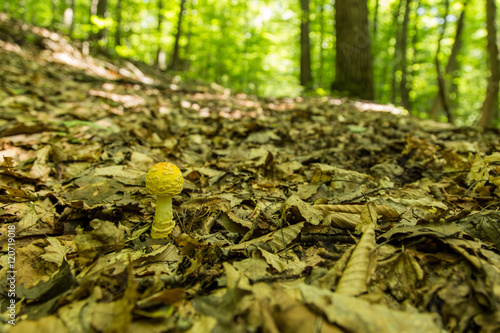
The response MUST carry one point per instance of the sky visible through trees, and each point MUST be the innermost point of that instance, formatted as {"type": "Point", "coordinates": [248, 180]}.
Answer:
{"type": "Point", "coordinates": [430, 57]}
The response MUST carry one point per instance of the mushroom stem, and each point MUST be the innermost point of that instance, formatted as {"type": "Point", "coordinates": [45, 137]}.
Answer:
{"type": "Point", "coordinates": [163, 223]}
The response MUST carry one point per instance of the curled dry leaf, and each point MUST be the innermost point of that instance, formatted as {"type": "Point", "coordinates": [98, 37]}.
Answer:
{"type": "Point", "coordinates": [383, 210]}
{"type": "Point", "coordinates": [354, 279]}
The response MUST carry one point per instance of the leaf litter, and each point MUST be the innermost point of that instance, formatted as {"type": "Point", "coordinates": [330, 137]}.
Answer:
{"type": "Point", "coordinates": [297, 215]}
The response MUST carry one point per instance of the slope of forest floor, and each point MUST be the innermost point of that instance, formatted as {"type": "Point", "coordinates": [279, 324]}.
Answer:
{"type": "Point", "coordinates": [297, 215]}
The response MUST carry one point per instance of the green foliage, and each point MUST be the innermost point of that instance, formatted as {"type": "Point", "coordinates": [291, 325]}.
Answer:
{"type": "Point", "coordinates": [253, 46]}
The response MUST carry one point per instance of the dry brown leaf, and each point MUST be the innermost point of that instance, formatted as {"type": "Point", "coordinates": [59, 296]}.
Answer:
{"type": "Point", "coordinates": [276, 240]}
{"type": "Point", "coordinates": [353, 281]}
{"type": "Point", "coordinates": [55, 252]}
{"type": "Point", "coordinates": [292, 316]}
{"type": "Point", "coordinates": [342, 220]}
{"type": "Point", "coordinates": [48, 324]}
{"type": "Point", "coordinates": [383, 210]}
{"type": "Point", "coordinates": [40, 169]}
{"type": "Point", "coordinates": [301, 211]}
{"type": "Point", "coordinates": [357, 315]}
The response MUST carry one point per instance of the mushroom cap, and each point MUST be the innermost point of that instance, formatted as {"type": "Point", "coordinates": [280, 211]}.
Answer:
{"type": "Point", "coordinates": [164, 179]}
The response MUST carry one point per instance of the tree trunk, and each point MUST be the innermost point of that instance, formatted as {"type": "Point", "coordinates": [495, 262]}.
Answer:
{"type": "Point", "coordinates": [99, 8]}
{"type": "Point", "coordinates": [161, 60]}
{"type": "Point", "coordinates": [55, 15]}
{"type": "Point", "coordinates": [118, 29]}
{"type": "Point", "coordinates": [414, 43]}
{"type": "Point", "coordinates": [305, 47]}
{"type": "Point", "coordinates": [321, 41]}
{"type": "Point", "coordinates": [175, 63]}
{"type": "Point", "coordinates": [189, 33]}
{"type": "Point", "coordinates": [442, 93]}
{"type": "Point", "coordinates": [354, 61]}
{"type": "Point", "coordinates": [403, 86]}
{"type": "Point", "coordinates": [490, 105]}
{"type": "Point", "coordinates": [397, 53]}
{"type": "Point", "coordinates": [102, 11]}
{"type": "Point", "coordinates": [375, 19]}
{"type": "Point", "coordinates": [452, 64]}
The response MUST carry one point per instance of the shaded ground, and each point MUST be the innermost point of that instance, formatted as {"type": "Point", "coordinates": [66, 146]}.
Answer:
{"type": "Point", "coordinates": [297, 215]}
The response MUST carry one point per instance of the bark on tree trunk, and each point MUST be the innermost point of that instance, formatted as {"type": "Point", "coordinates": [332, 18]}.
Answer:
{"type": "Point", "coordinates": [118, 31]}
{"type": "Point", "coordinates": [375, 19]}
{"type": "Point", "coordinates": [102, 11]}
{"type": "Point", "coordinates": [452, 64]}
{"type": "Point", "coordinates": [354, 61]}
{"type": "Point", "coordinates": [55, 14]}
{"type": "Point", "coordinates": [414, 43]}
{"type": "Point", "coordinates": [397, 53]}
{"type": "Point", "coordinates": [160, 53]}
{"type": "Point", "coordinates": [305, 48]}
{"type": "Point", "coordinates": [175, 61]}
{"type": "Point", "coordinates": [99, 8]}
{"type": "Point", "coordinates": [320, 76]}
{"type": "Point", "coordinates": [403, 86]}
{"type": "Point", "coordinates": [490, 105]}
{"type": "Point", "coordinates": [189, 33]}
{"type": "Point", "coordinates": [442, 93]}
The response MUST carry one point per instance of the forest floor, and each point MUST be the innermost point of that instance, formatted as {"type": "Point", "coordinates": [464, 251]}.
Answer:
{"type": "Point", "coordinates": [297, 215]}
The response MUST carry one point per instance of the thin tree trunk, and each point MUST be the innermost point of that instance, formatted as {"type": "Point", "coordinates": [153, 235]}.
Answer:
{"type": "Point", "coordinates": [321, 41]}
{"type": "Point", "coordinates": [397, 53]}
{"type": "Point", "coordinates": [375, 19]}
{"type": "Point", "coordinates": [354, 61]}
{"type": "Point", "coordinates": [99, 8]}
{"type": "Point", "coordinates": [403, 86]}
{"type": "Point", "coordinates": [55, 14]}
{"type": "Point", "coordinates": [161, 61]}
{"type": "Point", "coordinates": [187, 47]}
{"type": "Point", "coordinates": [452, 64]}
{"type": "Point", "coordinates": [175, 61]}
{"type": "Point", "coordinates": [443, 95]}
{"type": "Point", "coordinates": [118, 30]}
{"type": "Point", "coordinates": [305, 47]}
{"type": "Point", "coordinates": [216, 66]}
{"type": "Point", "coordinates": [489, 110]}
{"type": "Point", "coordinates": [414, 43]}
{"type": "Point", "coordinates": [102, 11]}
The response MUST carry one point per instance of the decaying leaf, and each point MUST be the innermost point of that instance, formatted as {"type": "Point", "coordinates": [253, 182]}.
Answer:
{"type": "Point", "coordinates": [354, 278]}
{"type": "Point", "coordinates": [61, 281]}
{"type": "Point", "coordinates": [301, 211]}
{"type": "Point", "coordinates": [119, 310]}
{"type": "Point", "coordinates": [275, 241]}
{"type": "Point", "coordinates": [479, 173]}
{"type": "Point", "coordinates": [55, 252]}
{"type": "Point", "coordinates": [382, 210]}
{"type": "Point", "coordinates": [357, 315]}
{"type": "Point", "coordinates": [402, 274]}
{"type": "Point", "coordinates": [235, 224]}
{"type": "Point", "coordinates": [47, 324]}
{"type": "Point", "coordinates": [342, 220]}
{"type": "Point", "coordinates": [40, 169]}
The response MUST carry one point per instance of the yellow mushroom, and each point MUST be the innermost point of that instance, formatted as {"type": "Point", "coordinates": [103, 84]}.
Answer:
{"type": "Point", "coordinates": [163, 180]}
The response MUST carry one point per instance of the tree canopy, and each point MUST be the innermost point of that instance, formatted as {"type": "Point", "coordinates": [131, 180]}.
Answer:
{"type": "Point", "coordinates": [254, 46]}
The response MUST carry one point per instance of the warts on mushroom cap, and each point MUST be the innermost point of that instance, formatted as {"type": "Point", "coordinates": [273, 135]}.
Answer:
{"type": "Point", "coordinates": [164, 179]}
